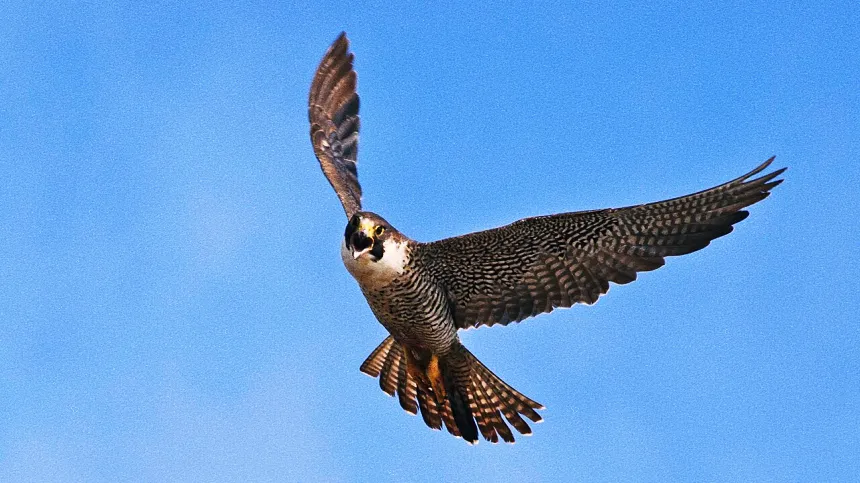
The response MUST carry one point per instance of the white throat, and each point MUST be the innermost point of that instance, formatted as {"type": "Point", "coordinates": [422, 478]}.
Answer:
{"type": "Point", "coordinates": [372, 274]}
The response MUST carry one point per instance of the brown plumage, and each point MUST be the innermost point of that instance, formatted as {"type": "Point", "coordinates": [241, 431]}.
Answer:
{"type": "Point", "coordinates": [546, 262]}
{"type": "Point", "coordinates": [333, 114]}
{"type": "Point", "coordinates": [422, 293]}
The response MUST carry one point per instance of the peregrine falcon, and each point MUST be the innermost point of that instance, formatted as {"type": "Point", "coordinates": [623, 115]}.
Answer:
{"type": "Point", "coordinates": [423, 293]}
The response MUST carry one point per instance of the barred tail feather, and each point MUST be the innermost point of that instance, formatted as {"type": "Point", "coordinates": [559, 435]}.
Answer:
{"type": "Point", "coordinates": [387, 362]}
{"type": "Point", "coordinates": [496, 396]}
{"type": "Point", "coordinates": [456, 374]}
{"type": "Point", "coordinates": [467, 399]}
{"type": "Point", "coordinates": [429, 409]}
{"type": "Point", "coordinates": [374, 362]}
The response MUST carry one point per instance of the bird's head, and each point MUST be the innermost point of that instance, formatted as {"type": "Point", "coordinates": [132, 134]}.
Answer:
{"type": "Point", "coordinates": [366, 235]}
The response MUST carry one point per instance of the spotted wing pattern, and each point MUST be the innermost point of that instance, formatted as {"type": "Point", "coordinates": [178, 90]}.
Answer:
{"type": "Point", "coordinates": [333, 114]}
{"type": "Point", "coordinates": [537, 264]}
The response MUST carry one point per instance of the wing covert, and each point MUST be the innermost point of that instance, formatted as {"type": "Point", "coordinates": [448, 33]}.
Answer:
{"type": "Point", "coordinates": [333, 114]}
{"type": "Point", "coordinates": [537, 264]}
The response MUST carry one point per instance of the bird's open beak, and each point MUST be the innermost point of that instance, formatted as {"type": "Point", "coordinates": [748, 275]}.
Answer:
{"type": "Point", "coordinates": [361, 244]}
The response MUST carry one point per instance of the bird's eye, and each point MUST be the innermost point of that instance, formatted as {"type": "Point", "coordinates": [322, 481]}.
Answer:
{"type": "Point", "coordinates": [379, 230]}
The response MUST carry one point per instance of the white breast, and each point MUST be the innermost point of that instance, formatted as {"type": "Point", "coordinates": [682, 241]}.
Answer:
{"type": "Point", "coordinates": [377, 274]}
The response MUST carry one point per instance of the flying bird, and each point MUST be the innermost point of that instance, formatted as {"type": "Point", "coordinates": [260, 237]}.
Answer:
{"type": "Point", "coordinates": [423, 293]}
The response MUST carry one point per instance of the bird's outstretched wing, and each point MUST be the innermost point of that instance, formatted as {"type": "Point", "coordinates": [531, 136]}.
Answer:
{"type": "Point", "coordinates": [333, 113]}
{"type": "Point", "coordinates": [537, 264]}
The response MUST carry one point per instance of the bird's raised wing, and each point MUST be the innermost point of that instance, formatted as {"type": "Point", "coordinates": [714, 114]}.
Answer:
{"type": "Point", "coordinates": [537, 264]}
{"type": "Point", "coordinates": [333, 113]}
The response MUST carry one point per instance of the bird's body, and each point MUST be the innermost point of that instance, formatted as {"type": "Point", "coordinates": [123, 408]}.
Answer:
{"type": "Point", "coordinates": [408, 302]}
{"type": "Point", "coordinates": [423, 293]}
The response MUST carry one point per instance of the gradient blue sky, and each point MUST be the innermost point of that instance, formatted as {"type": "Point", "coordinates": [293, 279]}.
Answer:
{"type": "Point", "coordinates": [173, 305]}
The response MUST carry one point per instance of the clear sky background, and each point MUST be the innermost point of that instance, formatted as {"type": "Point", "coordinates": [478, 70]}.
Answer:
{"type": "Point", "coordinates": [172, 302]}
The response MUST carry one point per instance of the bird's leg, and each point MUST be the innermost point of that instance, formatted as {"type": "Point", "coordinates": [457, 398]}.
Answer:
{"type": "Point", "coordinates": [435, 376]}
{"type": "Point", "coordinates": [426, 372]}
{"type": "Point", "coordinates": [415, 371]}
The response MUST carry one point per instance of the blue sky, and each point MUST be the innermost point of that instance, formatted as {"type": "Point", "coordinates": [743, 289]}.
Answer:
{"type": "Point", "coordinates": [172, 302]}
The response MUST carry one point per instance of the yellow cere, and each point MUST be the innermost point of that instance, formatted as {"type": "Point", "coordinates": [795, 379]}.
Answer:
{"type": "Point", "coordinates": [367, 227]}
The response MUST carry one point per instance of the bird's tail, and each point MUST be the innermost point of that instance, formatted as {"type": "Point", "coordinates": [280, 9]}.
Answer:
{"type": "Point", "coordinates": [455, 388]}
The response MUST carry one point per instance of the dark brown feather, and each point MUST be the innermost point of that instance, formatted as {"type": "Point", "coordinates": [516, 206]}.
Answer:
{"type": "Point", "coordinates": [406, 388]}
{"type": "Point", "coordinates": [537, 264]}
{"type": "Point", "coordinates": [429, 411]}
{"type": "Point", "coordinates": [476, 398]}
{"type": "Point", "coordinates": [333, 114]}
{"type": "Point", "coordinates": [374, 362]}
